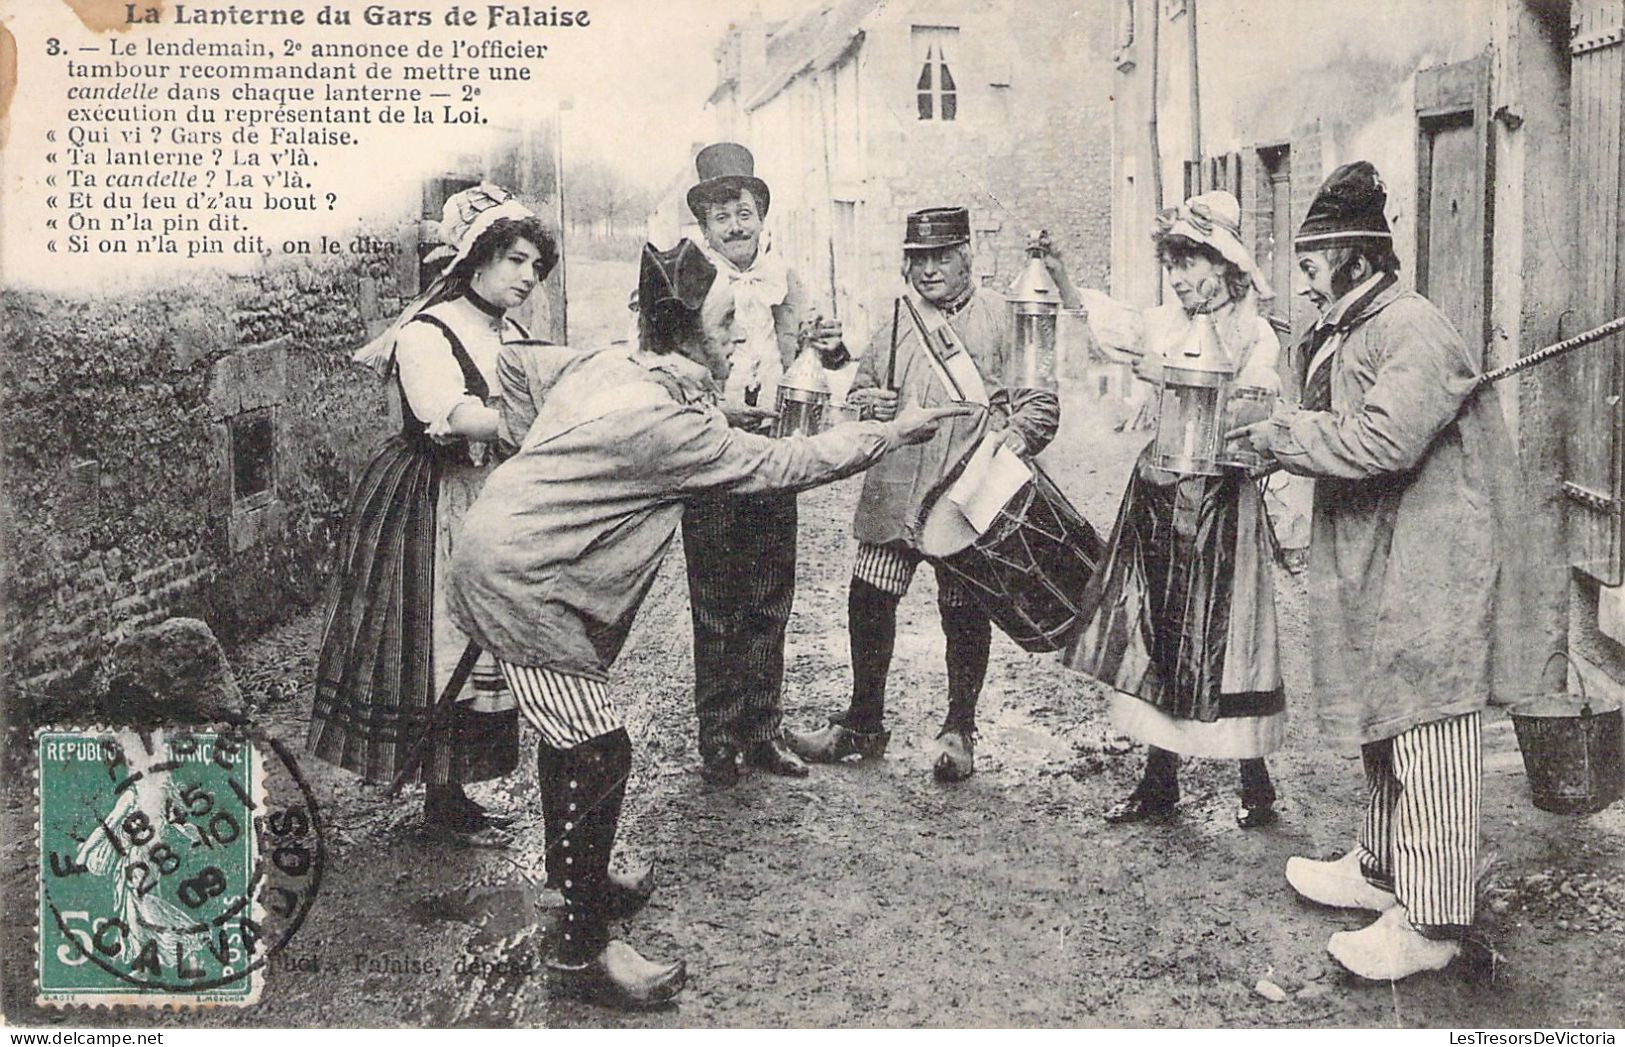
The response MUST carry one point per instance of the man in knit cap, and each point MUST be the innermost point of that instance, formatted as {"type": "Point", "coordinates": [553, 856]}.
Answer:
{"type": "Point", "coordinates": [1414, 582]}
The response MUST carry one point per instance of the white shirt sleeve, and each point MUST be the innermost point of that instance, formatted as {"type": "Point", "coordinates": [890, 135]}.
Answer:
{"type": "Point", "coordinates": [430, 377]}
{"type": "Point", "coordinates": [1259, 367]}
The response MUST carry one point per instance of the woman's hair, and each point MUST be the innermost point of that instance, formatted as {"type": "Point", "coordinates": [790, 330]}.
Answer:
{"type": "Point", "coordinates": [1174, 251]}
{"type": "Point", "coordinates": [503, 234]}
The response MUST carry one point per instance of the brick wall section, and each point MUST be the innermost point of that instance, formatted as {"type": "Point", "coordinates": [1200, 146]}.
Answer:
{"type": "Point", "coordinates": [116, 509]}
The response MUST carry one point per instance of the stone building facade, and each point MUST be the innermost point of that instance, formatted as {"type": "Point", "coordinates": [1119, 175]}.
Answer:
{"type": "Point", "coordinates": [860, 111]}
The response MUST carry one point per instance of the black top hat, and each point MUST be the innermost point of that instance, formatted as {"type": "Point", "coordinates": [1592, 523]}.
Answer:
{"type": "Point", "coordinates": [725, 168]}
{"type": "Point", "coordinates": [673, 281]}
{"type": "Point", "coordinates": [937, 227]}
{"type": "Point", "coordinates": [1347, 210]}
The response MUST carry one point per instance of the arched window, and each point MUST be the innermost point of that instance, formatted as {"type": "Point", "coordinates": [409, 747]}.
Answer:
{"type": "Point", "coordinates": [935, 93]}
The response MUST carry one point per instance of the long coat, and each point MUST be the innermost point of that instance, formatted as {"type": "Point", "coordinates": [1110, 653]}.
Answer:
{"type": "Point", "coordinates": [559, 551]}
{"type": "Point", "coordinates": [1415, 570]}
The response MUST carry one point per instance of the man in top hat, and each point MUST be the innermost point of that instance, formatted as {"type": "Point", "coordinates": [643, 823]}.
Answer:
{"type": "Point", "coordinates": [741, 549]}
{"type": "Point", "coordinates": [1414, 575]}
{"type": "Point", "coordinates": [962, 318]}
{"type": "Point", "coordinates": [559, 551]}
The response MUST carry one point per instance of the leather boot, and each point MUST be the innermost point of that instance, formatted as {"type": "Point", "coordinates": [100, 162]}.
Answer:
{"type": "Point", "coordinates": [1257, 796]}
{"type": "Point", "coordinates": [590, 783]}
{"type": "Point", "coordinates": [871, 628]}
{"type": "Point", "coordinates": [450, 815]}
{"type": "Point", "coordinates": [1157, 795]}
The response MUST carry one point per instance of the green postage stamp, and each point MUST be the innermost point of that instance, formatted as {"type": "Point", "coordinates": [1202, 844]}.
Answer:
{"type": "Point", "coordinates": [168, 872]}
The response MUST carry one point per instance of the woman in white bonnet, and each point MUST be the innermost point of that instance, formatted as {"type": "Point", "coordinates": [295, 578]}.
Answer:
{"type": "Point", "coordinates": [1180, 617]}
{"type": "Point", "coordinates": [388, 648]}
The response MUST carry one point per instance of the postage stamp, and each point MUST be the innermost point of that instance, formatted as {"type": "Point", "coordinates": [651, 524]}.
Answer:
{"type": "Point", "coordinates": [173, 864]}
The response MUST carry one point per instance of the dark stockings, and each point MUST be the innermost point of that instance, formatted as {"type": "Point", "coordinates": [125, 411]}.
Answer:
{"type": "Point", "coordinates": [582, 790]}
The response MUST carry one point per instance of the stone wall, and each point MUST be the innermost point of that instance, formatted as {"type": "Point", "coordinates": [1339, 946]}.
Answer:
{"type": "Point", "coordinates": [129, 419]}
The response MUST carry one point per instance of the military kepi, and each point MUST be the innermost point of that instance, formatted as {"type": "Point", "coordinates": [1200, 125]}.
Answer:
{"type": "Point", "coordinates": [1347, 211]}
{"type": "Point", "coordinates": [937, 227]}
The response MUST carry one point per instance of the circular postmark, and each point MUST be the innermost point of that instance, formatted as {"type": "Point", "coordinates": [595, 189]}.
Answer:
{"type": "Point", "coordinates": [173, 863]}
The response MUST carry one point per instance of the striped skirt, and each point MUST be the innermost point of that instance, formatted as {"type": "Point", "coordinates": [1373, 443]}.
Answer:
{"type": "Point", "coordinates": [1181, 616]}
{"type": "Point", "coordinates": [379, 673]}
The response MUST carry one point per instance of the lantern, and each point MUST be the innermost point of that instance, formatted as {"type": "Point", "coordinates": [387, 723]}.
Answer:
{"type": "Point", "coordinates": [803, 396]}
{"type": "Point", "coordinates": [1035, 306]}
{"type": "Point", "coordinates": [1191, 394]}
{"type": "Point", "coordinates": [1245, 405]}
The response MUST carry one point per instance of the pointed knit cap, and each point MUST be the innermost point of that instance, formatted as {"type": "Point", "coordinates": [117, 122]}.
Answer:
{"type": "Point", "coordinates": [1348, 210]}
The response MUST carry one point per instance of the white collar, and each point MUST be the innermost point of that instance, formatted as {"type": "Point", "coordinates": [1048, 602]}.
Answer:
{"type": "Point", "coordinates": [1334, 315]}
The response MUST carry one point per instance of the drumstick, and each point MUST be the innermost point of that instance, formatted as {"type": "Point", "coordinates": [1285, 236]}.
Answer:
{"type": "Point", "coordinates": [891, 361]}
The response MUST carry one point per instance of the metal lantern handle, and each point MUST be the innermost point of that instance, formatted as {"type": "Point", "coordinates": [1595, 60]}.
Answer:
{"type": "Point", "coordinates": [1585, 701]}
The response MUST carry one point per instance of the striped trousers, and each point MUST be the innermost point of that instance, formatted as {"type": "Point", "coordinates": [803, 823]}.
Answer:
{"type": "Point", "coordinates": [566, 710]}
{"type": "Point", "coordinates": [890, 568]}
{"type": "Point", "coordinates": [1420, 836]}
{"type": "Point", "coordinates": [741, 557]}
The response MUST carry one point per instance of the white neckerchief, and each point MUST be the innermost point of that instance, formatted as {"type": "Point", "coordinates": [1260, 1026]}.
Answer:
{"type": "Point", "coordinates": [756, 289]}
{"type": "Point", "coordinates": [1334, 316]}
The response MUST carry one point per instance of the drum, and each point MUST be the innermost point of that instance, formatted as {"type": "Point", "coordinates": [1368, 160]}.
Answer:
{"type": "Point", "coordinates": [1028, 569]}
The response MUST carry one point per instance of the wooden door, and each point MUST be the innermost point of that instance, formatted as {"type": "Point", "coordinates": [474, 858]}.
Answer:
{"type": "Point", "coordinates": [1454, 212]}
{"type": "Point", "coordinates": [1453, 215]}
{"type": "Point", "coordinates": [1592, 452]}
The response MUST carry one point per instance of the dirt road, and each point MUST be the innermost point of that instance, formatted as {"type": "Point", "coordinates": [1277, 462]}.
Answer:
{"type": "Point", "coordinates": [870, 895]}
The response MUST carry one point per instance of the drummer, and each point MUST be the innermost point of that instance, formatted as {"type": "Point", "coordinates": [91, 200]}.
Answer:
{"type": "Point", "coordinates": [963, 318]}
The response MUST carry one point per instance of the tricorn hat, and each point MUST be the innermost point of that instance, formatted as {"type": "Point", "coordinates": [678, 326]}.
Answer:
{"type": "Point", "coordinates": [937, 227]}
{"type": "Point", "coordinates": [725, 166]}
{"type": "Point", "coordinates": [1348, 210]}
{"type": "Point", "coordinates": [673, 281]}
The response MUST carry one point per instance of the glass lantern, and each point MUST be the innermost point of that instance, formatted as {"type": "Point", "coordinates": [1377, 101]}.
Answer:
{"type": "Point", "coordinates": [1035, 307]}
{"type": "Point", "coordinates": [803, 397]}
{"type": "Point", "coordinates": [1191, 396]}
{"type": "Point", "coordinates": [1245, 405]}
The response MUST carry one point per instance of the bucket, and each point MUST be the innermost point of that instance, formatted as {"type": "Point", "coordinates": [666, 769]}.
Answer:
{"type": "Point", "coordinates": [1570, 752]}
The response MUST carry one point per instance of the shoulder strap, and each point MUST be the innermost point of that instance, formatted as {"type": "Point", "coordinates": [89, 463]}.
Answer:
{"type": "Point", "coordinates": [472, 378]}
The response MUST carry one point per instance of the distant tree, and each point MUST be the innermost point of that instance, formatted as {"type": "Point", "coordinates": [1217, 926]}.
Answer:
{"type": "Point", "coordinates": [601, 200]}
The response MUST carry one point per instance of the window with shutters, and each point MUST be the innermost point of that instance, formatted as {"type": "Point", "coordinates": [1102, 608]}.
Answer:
{"type": "Point", "coordinates": [936, 95]}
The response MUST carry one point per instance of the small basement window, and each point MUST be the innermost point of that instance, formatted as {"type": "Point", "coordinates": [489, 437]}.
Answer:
{"type": "Point", "coordinates": [253, 458]}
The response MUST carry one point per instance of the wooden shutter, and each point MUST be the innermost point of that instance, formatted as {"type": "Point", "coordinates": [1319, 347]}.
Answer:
{"type": "Point", "coordinates": [1453, 206]}
{"type": "Point", "coordinates": [1592, 451]}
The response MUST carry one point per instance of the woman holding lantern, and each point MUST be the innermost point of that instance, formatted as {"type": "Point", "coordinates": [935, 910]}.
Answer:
{"type": "Point", "coordinates": [1180, 618]}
